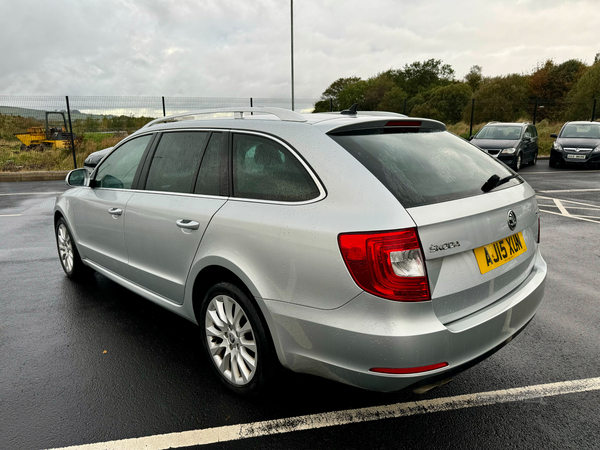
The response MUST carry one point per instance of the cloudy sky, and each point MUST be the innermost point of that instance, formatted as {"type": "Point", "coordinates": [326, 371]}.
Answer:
{"type": "Point", "coordinates": [241, 48]}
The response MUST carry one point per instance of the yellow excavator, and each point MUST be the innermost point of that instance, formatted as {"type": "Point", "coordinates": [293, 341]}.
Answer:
{"type": "Point", "coordinates": [40, 138]}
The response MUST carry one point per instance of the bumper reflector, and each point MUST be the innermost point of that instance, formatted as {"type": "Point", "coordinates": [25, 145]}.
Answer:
{"type": "Point", "coordinates": [408, 370]}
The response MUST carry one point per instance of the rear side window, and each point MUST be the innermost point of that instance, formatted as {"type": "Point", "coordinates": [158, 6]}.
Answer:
{"type": "Point", "coordinates": [424, 168]}
{"type": "Point", "coordinates": [176, 161]}
{"type": "Point", "coordinates": [265, 170]}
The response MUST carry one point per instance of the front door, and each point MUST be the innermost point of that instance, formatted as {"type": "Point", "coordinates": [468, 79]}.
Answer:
{"type": "Point", "coordinates": [99, 212]}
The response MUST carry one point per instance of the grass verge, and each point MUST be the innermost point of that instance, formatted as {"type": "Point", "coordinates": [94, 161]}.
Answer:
{"type": "Point", "coordinates": [13, 159]}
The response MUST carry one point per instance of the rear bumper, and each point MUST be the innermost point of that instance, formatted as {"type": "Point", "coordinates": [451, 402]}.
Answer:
{"type": "Point", "coordinates": [368, 332]}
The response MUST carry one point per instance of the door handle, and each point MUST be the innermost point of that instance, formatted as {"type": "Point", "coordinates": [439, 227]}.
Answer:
{"type": "Point", "coordinates": [187, 224]}
{"type": "Point", "coordinates": [115, 211]}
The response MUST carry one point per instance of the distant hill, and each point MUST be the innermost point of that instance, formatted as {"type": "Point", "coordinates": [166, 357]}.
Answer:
{"type": "Point", "coordinates": [41, 114]}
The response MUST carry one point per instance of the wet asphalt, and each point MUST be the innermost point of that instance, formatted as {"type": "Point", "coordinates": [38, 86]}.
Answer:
{"type": "Point", "coordinates": [91, 362]}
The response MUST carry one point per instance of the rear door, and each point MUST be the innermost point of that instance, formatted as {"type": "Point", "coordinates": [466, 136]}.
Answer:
{"type": "Point", "coordinates": [184, 185]}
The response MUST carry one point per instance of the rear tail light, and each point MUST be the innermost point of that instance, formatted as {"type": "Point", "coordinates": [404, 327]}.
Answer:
{"type": "Point", "coordinates": [389, 265]}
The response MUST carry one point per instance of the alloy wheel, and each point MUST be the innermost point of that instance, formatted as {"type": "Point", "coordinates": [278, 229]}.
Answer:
{"type": "Point", "coordinates": [231, 340]}
{"type": "Point", "coordinates": [65, 247]}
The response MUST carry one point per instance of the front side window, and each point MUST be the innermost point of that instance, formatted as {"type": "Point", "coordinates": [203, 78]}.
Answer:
{"type": "Point", "coordinates": [265, 170]}
{"type": "Point", "coordinates": [119, 168]}
{"type": "Point", "coordinates": [499, 132]}
{"type": "Point", "coordinates": [176, 161]}
{"type": "Point", "coordinates": [532, 131]}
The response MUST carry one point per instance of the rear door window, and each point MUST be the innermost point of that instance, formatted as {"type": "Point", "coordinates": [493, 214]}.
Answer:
{"type": "Point", "coordinates": [175, 161]}
{"type": "Point", "coordinates": [424, 168]}
{"type": "Point", "coordinates": [265, 170]}
{"type": "Point", "coordinates": [212, 177]}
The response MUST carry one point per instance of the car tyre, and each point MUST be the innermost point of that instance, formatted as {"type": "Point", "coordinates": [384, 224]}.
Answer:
{"type": "Point", "coordinates": [553, 163]}
{"type": "Point", "coordinates": [518, 162]}
{"type": "Point", "coordinates": [67, 252]}
{"type": "Point", "coordinates": [235, 339]}
{"type": "Point", "coordinates": [534, 160]}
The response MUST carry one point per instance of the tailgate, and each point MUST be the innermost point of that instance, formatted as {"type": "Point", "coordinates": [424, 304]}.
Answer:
{"type": "Point", "coordinates": [453, 232]}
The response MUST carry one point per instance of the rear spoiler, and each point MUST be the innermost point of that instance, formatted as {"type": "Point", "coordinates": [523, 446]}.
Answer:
{"type": "Point", "coordinates": [390, 125]}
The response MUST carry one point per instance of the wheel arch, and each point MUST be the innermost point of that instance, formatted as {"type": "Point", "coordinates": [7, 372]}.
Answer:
{"type": "Point", "coordinates": [215, 273]}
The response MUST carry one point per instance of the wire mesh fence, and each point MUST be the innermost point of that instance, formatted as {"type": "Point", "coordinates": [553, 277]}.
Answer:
{"type": "Point", "coordinates": [67, 129]}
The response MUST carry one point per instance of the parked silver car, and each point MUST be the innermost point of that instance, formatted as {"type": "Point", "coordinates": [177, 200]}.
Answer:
{"type": "Point", "coordinates": [369, 248]}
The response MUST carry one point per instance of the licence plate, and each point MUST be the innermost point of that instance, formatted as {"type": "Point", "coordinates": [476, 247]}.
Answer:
{"type": "Point", "coordinates": [576, 156]}
{"type": "Point", "coordinates": [500, 252]}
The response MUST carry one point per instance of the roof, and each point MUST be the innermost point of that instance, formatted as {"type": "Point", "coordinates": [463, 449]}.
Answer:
{"type": "Point", "coordinates": [222, 118]}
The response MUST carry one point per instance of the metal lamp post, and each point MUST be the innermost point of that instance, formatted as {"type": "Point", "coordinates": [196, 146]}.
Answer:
{"type": "Point", "coordinates": [292, 41]}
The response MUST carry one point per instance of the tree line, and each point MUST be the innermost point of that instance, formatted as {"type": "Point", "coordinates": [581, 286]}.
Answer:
{"type": "Point", "coordinates": [564, 91]}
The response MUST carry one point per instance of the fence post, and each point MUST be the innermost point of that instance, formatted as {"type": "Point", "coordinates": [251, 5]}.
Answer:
{"type": "Point", "coordinates": [330, 105]}
{"type": "Point", "coordinates": [472, 111]}
{"type": "Point", "coordinates": [164, 110]}
{"type": "Point", "coordinates": [594, 111]}
{"type": "Point", "coordinates": [535, 110]}
{"type": "Point", "coordinates": [71, 127]}
{"type": "Point", "coordinates": [405, 98]}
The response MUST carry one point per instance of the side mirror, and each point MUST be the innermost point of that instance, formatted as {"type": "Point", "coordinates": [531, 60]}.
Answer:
{"type": "Point", "coordinates": [471, 137]}
{"type": "Point", "coordinates": [554, 135]}
{"type": "Point", "coordinates": [78, 177]}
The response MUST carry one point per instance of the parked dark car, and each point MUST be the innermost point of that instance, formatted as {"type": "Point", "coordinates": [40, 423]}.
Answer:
{"type": "Point", "coordinates": [93, 159]}
{"type": "Point", "coordinates": [514, 144]}
{"type": "Point", "coordinates": [577, 143]}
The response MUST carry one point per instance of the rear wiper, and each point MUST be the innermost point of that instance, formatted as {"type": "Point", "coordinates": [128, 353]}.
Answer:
{"type": "Point", "coordinates": [495, 181]}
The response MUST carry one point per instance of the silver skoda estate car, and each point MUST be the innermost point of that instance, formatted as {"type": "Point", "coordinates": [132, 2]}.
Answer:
{"type": "Point", "coordinates": [372, 249]}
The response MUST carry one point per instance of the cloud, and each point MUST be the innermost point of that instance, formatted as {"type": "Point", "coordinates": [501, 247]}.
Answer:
{"type": "Point", "coordinates": [235, 48]}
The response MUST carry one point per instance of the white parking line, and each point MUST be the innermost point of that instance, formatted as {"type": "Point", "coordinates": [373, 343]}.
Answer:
{"type": "Point", "coordinates": [32, 193]}
{"type": "Point", "coordinates": [561, 171]}
{"type": "Point", "coordinates": [572, 216]}
{"type": "Point", "coordinates": [568, 190]}
{"type": "Point", "coordinates": [10, 215]}
{"type": "Point", "coordinates": [336, 418]}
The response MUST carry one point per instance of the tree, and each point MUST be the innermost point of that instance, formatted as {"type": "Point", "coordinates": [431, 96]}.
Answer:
{"type": "Point", "coordinates": [504, 99]}
{"type": "Point", "coordinates": [445, 103]}
{"type": "Point", "coordinates": [550, 84]}
{"type": "Point", "coordinates": [581, 98]}
{"type": "Point", "coordinates": [474, 77]}
{"type": "Point", "coordinates": [331, 94]}
{"type": "Point", "coordinates": [393, 100]}
{"type": "Point", "coordinates": [423, 76]}
{"type": "Point", "coordinates": [375, 89]}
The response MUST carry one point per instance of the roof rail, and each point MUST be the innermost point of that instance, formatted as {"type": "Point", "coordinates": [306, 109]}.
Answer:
{"type": "Point", "coordinates": [238, 113]}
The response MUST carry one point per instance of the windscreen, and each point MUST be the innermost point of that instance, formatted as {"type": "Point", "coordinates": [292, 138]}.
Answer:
{"type": "Point", "coordinates": [590, 131]}
{"type": "Point", "coordinates": [500, 132]}
{"type": "Point", "coordinates": [424, 168]}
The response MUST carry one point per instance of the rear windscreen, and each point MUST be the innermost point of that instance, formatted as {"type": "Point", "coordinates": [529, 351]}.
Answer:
{"type": "Point", "coordinates": [424, 168]}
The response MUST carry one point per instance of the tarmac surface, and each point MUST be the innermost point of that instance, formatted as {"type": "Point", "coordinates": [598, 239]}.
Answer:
{"type": "Point", "coordinates": [84, 363]}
